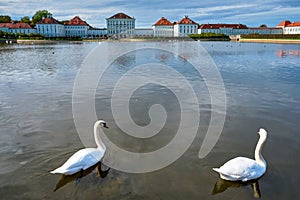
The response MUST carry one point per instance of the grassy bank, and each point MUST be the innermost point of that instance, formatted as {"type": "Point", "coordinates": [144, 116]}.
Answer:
{"type": "Point", "coordinates": [277, 41]}
{"type": "Point", "coordinates": [268, 38]}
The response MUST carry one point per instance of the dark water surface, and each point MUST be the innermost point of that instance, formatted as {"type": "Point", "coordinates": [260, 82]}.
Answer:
{"type": "Point", "coordinates": [37, 131]}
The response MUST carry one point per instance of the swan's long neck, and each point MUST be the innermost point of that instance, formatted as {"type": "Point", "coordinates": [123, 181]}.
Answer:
{"type": "Point", "coordinates": [258, 150]}
{"type": "Point", "coordinates": [97, 138]}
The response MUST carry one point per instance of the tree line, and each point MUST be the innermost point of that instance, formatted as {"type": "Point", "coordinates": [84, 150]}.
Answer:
{"type": "Point", "coordinates": [38, 16]}
{"type": "Point", "coordinates": [210, 36]}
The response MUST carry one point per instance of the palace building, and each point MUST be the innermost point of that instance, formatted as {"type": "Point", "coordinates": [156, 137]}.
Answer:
{"type": "Point", "coordinates": [76, 27]}
{"type": "Point", "coordinates": [185, 27]}
{"type": "Point", "coordinates": [163, 28]}
{"type": "Point", "coordinates": [236, 29]}
{"type": "Point", "coordinates": [289, 27]}
{"type": "Point", "coordinates": [51, 27]}
{"type": "Point", "coordinates": [119, 23]}
{"type": "Point", "coordinates": [17, 27]}
{"type": "Point", "coordinates": [123, 25]}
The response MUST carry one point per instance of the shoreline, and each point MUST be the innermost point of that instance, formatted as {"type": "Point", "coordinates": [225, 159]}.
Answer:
{"type": "Point", "coordinates": [33, 42]}
{"type": "Point", "coordinates": [245, 40]}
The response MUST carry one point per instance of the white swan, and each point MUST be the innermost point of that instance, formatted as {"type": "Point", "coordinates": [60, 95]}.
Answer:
{"type": "Point", "coordinates": [84, 158]}
{"type": "Point", "coordinates": [245, 169]}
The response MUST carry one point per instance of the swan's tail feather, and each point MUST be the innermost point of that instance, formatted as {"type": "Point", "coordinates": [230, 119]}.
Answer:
{"type": "Point", "coordinates": [216, 170]}
{"type": "Point", "coordinates": [69, 171]}
{"type": "Point", "coordinates": [58, 171]}
{"type": "Point", "coordinates": [54, 171]}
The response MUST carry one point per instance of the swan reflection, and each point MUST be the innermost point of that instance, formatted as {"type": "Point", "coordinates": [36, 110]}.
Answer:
{"type": "Point", "coordinates": [222, 185]}
{"type": "Point", "coordinates": [65, 179]}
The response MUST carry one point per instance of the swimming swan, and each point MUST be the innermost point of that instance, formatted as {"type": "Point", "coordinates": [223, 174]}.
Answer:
{"type": "Point", "coordinates": [84, 158]}
{"type": "Point", "coordinates": [245, 169]}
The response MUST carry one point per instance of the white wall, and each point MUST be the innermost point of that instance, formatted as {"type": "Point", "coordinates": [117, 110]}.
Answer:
{"type": "Point", "coordinates": [231, 31]}
{"type": "Point", "coordinates": [292, 30]}
{"type": "Point", "coordinates": [182, 30]}
{"type": "Point", "coordinates": [117, 25]}
{"type": "Point", "coordinates": [76, 31]}
{"type": "Point", "coordinates": [23, 30]}
{"type": "Point", "coordinates": [163, 31]}
{"type": "Point", "coordinates": [51, 30]}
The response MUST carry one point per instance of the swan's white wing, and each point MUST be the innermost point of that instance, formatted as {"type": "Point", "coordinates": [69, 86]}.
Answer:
{"type": "Point", "coordinates": [241, 168]}
{"type": "Point", "coordinates": [82, 159]}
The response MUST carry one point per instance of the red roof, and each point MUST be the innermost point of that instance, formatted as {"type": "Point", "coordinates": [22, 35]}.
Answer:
{"type": "Point", "coordinates": [5, 25]}
{"type": "Point", "coordinates": [49, 20]}
{"type": "Point", "coordinates": [120, 16]}
{"type": "Point", "coordinates": [294, 24]}
{"type": "Point", "coordinates": [15, 25]}
{"type": "Point", "coordinates": [284, 23]}
{"type": "Point", "coordinates": [163, 22]}
{"type": "Point", "coordinates": [76, 21]}
{"type": "Point", "coordinates": [217, 26]}
{"type": "Point", "coordinates": [186, 20]}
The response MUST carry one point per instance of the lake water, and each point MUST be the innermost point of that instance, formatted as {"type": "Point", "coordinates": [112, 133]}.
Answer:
{"type": "Point", "coordinates": [37, 131]}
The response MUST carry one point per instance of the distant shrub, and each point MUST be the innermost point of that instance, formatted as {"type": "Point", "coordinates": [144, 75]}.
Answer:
{"type": "Point", "coordinates": [8, 35]}
{"type": "Point", "coordinates": [209, 36]}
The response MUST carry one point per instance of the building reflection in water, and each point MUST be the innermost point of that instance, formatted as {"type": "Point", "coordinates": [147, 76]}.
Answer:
{"type": "Point", "coordinates": [284, 53]}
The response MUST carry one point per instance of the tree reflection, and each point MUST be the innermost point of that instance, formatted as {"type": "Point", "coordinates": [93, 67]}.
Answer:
{"type": "Point", "coordinates": [65, 179]}
{"type": "Point", "coordinates": [222, 185]}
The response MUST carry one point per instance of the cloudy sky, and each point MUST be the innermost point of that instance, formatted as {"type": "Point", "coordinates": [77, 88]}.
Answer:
{"type": "Point", "coordinates": [147, 12]}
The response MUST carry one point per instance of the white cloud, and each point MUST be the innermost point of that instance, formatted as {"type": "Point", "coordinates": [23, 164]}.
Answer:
{"type": "Point", "coordinates": [273, 16]}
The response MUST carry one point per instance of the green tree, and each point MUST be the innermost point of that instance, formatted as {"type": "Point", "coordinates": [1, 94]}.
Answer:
{"type": "Point", "coordinates": [263, 26]}
{"type": "Point", "coordinates": [25, 19]}
{"type": "Point", "coordinates": [64, 21]}
{"type": "Point", "coordinates": [5, 19]}
{"type": "Point", "coordinates": [39, 15]}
